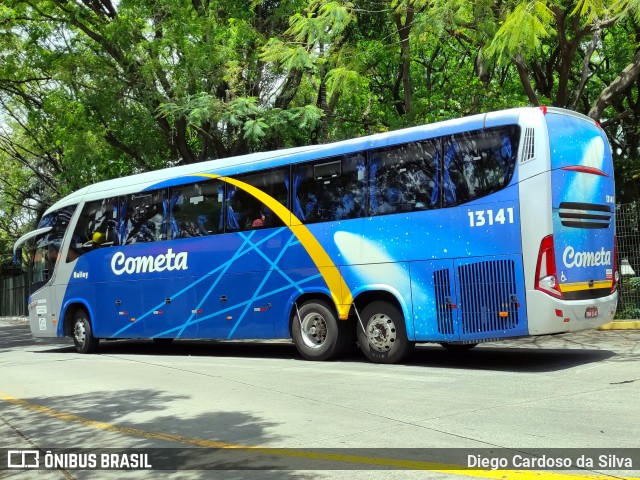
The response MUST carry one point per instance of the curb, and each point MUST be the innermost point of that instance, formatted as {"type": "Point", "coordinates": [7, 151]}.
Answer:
{"type": "Point", "coordinates": [621, 325]}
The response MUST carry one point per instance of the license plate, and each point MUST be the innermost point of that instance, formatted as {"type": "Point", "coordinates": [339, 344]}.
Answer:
{"type": "Point", "coordinates": [591, 312]}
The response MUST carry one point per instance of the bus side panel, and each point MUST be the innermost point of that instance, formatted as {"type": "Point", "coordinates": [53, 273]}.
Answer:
{"type": "Point", "coordinates": [282, 297]}
{"type": "Point", "coordinates": [42, 313]}
{"type": "Point", "coordinates": [392, 277]}
{"type": "Point", "coordinates": [172, 304]}
{"type": "Point", "coordinates": [118, 309]}
{"type": "Point", "coordinates": [491, 298]}
{"type": "Point", "coordinates": [434, 301]}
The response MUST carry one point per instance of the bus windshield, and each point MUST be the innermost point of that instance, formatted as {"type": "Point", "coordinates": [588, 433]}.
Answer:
{"type": "Point", "coordinates": [44, 254]}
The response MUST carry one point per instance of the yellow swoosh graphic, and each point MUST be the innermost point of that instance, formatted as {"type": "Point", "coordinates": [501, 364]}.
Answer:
{"type": "Point", "coordinates": [340, 292]}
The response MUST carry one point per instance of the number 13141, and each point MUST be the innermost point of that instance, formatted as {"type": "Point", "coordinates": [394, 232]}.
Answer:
{"type": "Point", "coordinates": [480, 218]}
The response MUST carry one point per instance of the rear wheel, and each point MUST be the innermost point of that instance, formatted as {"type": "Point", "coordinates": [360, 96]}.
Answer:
{"type": "Point", "coordinates": [83, 337]}
{"type": "Point", "coordinates": [384, 338]}
{"type": "Point", "coordinates": [458, 347]}
{"type": "Point", "coordinates": [317, 332]}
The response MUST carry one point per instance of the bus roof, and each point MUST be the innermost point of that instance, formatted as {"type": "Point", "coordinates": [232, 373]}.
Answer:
{"type": "Point", "coordinates": [277, 158]}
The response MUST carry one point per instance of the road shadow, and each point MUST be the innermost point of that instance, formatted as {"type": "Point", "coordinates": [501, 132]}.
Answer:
{"type": "Point", "coordinates": [484, 357]}
{"type": "Point", "coordinates": [19, 335]}
{"type": "Point", "coordinates": [109, 422]}
{"type": "Point", "coordinates": [539, 354]}
{"type": "Point", "coordinates": [507, 359]}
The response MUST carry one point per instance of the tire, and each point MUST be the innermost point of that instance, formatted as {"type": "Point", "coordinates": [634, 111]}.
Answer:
{"type": "Point", "coordinates": [163, 341]}
{"type": "Point", "coordinates": [458, 347]}
{"type": "Point", "coordinates": [317, 332]}
{"type": "Point", "coordinates": [384, 338]}
{"type": "Point", "coordinates": [82, 334]}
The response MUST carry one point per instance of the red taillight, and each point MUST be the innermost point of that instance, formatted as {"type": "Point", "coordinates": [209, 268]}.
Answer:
{"type": "Point", "coordinates": [616, 274]}
{"type": "Point", "coordinates": [546, 278]}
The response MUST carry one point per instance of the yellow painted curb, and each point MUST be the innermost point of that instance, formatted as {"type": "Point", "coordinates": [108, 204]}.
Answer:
{"type": "Point", "coordinates": [621, 325]}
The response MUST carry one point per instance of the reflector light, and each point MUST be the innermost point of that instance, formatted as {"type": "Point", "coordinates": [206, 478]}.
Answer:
{"type": "Point", "coordinates": [544, 110]}
{"type": "Point", "coordinates": [503, 314]}
{"type": "Point", "coordinates": [559, 313]}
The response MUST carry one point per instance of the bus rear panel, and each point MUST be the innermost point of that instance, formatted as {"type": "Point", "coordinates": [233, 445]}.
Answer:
{"type": "Point", "coordinates": [575, 272]}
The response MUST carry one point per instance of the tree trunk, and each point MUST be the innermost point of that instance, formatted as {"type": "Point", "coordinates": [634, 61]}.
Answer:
{"type": "Point", "coordinates": [404, 31]}
{"type": "Point", "coordinates": [623, 82]}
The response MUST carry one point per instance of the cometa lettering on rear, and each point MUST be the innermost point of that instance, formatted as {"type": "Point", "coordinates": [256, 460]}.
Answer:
{"type": "Point", "coordinates": [120, 263]}
{"type": "Point", "coordinates": [571, 258]}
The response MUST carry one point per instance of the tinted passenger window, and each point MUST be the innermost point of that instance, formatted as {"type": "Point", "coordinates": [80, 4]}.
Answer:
{"type": "Point", "coordinates": [246, 212]}
{"type": "Point", "coordinates": [196, 209]}
{"type": "Point", "coordinates": [402, 178]}
{"type": "Point", "coordinates": [478, 163]}
{"type": "Point", "coordinates": [330, 189]}
{"type": "Point", "coordinates": [143, 217]}
{"type": "Point", "coordinates": [96, 227]}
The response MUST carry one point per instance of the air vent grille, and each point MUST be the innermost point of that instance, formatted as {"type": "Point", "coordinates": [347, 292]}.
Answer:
{"type": "Point", "coordinates": [488, 301]}
{"type": "Point", "coordinates": [585, 215]}
{"type": "Point", "coordinates": [528, 148]}
{"type": "Point", "coordinates": [442, 287]}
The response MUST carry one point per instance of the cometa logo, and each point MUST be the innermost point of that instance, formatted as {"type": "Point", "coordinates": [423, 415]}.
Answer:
{"type": "Point", "coordinates": [120, 263]}
{"type": "Point", "coordinates": [571, 258]}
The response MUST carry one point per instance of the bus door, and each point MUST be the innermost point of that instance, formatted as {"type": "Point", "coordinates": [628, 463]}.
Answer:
{"type": "Point", "coordinates": [434, 301]}
{"type": "Point", "coordinates": [42, 306]}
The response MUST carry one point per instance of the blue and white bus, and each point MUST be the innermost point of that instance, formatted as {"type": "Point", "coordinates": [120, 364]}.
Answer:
{"type": "Point", "coordinates": [493, 226]}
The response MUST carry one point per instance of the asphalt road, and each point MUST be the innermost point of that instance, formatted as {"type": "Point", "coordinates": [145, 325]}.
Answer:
{"type": "Point", "coordinates": [328, 420]}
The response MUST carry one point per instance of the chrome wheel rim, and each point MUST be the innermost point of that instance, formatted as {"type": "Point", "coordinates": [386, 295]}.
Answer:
{"type": "Point", "coordinates": [381, 332]}
{"type": "Point", "coordinates": [79, 332]}
{"type": "Point", "coordinates": [313, 330]}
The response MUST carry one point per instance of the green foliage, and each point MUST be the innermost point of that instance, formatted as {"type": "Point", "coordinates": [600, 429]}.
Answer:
{"type": "Point", "coordinates": [523, 31]}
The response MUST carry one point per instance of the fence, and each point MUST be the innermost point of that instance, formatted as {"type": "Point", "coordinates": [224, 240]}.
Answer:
{"type": "Point", "coordinates": [628, 232]}
{"type": "Point", "coordinates": [14, 291]}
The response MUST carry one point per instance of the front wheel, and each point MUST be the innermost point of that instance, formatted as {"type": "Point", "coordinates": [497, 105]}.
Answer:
{"type": "Point", "coordinates": [317, 332]}
{"type": "Point", "coordinates": [384, 338]}
{"type": "Point", "coordinates": [83, 337]}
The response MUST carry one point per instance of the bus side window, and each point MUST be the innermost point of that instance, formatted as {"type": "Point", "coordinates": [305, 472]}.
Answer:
{"type": "Point", "coordinates": [143, 217]}
{"type": "Point", "coordinates": [246, 212]}
{"type": "Point", "coordinates": [195, 209]}
{"type": "Point", "coordinates": [330, 189]}
{"type": "Point", "coordinates": [96, 227]}
{"type": "Point", "coordinates": [479, 163]}
{"type": "Point", "coordinates": [403, 178]}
